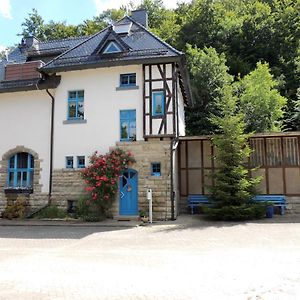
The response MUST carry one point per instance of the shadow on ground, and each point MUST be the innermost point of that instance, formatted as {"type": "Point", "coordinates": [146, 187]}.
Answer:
{"type": "Point", "coordinates": [199, 222]}
{"type": "Point", "coordinates": [52, 232]}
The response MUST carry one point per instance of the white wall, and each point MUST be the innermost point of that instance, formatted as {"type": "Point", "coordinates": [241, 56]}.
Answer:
{"type": "Point", "coordinates": [102, 105]}
{"type": "Point", "coordinates": [25, 121]}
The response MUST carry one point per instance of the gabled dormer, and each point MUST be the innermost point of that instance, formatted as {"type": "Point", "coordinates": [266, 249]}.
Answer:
{"type": "Point", "coordinates": [111, 44]}
{"type": "Point", "coordinates": [111, 47]}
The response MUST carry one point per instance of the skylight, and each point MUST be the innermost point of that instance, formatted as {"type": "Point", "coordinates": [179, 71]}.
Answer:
{"type": "Point", "coordinates": [122, 28]}
{"type": "Point", "coordinates": [112, 47]}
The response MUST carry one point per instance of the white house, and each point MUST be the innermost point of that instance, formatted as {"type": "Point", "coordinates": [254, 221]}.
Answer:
{"type": "Point", "coordinates": [62, 100]}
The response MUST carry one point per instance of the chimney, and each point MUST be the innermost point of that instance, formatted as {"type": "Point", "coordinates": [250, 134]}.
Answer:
{"type": "Point", "coordinates": [140, 16]}
{"type": "Point", "coordinates": [29, 42]}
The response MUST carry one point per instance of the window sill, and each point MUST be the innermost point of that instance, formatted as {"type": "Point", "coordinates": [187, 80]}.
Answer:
{"type": "Point", "coordinates": [129, 87]}
{"type": "Point", "coordinates": [18, 190]}
{"type": "Point", "coordinates": [75, 121]}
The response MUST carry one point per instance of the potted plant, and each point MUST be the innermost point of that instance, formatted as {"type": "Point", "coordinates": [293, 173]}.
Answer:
{"type": "Point", "coordinates": [269, 209]}
{"type": "Point", "coordinates": [144, 216]}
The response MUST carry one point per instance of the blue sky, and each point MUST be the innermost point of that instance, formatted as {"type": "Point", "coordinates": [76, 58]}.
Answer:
{"type": "Point", "coordinates": [14, 12]}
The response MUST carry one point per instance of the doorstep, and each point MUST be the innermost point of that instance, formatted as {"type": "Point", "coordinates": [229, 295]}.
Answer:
{"type": "Point", "coordinates": [126, 218]}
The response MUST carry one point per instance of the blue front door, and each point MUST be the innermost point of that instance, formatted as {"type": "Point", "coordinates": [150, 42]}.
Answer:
{"type": "Point", "coordinates": [129, 193]}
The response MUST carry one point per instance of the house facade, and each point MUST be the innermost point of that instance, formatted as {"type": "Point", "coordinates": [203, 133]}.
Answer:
{"type": "Point", "coordinates": [62, 100]}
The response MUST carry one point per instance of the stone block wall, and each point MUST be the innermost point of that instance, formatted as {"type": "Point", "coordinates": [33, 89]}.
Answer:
{"type": "Point", "coordinates": [146, 152]}
{"type": "Point", "coordinates": [66, 185]}
{"type": "Point", "coordinates": [293, 204]}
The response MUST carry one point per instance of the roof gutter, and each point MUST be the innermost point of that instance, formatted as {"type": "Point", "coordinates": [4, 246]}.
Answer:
{"type": "Point", "coordinates": [109, 63]}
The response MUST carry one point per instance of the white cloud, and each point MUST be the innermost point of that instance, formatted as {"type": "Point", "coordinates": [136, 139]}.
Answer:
{"type": "Point", "coordinates": [5, 9]}
{"type": "Point", "coordinates": [2, 48]}
{"type": "Point", "coordinates": [102, 5]}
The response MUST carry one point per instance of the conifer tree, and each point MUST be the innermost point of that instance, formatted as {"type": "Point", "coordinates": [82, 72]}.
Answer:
{"type": "Point", "coordinates": [233, 186]}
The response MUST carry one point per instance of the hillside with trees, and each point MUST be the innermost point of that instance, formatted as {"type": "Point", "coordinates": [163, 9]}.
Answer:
{"type": "Point", "coordinates": [253, 46]}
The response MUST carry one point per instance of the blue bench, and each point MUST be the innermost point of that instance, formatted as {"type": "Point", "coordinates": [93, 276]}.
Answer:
{"type": "Point", "coordinates": [197, 201]}
{"type": "Point", "coordinates": [277, 200]}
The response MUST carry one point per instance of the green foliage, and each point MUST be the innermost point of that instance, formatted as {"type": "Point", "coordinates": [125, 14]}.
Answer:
{"type": "Point", "coordinates": [233, 186]}
{"type": "Point", "coordinates": [88, 210]}
{"type": "Point", "coordinates": [248, 32]}
{"type": "Point", "coordinates": [33, 26]}
{"type": "Point", "coordinates": [156, 11]}
{"type": "Point", "coordinates": [51, 212]}
{"type": "Point", "coordinates": [209, 76]}
{"type": "Point", "coordinates": [236, 213]}
{"type": "Point", "coordinates": [260, 101]}
{"type": "Point", "coordinates": [101, 177]}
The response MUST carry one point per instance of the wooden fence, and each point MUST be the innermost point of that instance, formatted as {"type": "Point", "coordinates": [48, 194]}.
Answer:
{"type": "Point", "coordinates": [275, 157]}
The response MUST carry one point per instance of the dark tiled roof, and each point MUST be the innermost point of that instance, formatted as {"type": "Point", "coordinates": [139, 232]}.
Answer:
{"type": "Point", "coordinates": [55, 47]}
{"type": "Point", "coordinates": [142, 45]}
{"type": "Point", "coordinates": [29, 84]}
{"type": "Point", "coordinates": [139, 46]}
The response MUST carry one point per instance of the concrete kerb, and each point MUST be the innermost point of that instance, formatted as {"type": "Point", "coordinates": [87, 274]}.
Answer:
{"type": "Point", "coordinates": [183, 221]}
{"type": "Point", "coordinates": [71, 223]}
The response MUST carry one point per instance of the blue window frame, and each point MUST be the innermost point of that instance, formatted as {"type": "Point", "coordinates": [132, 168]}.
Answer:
{"type": "Point", "coordinates": [20, 171]}
{"type": "Point", "coordinates": [80, 162]}
{"type": "Point", "coordinates": [112, 47]}
{"type": "Point", "coordinates": [69, 162]}
{"type": "Point", "coordinates": [76, 105]}
{"type": "Point", "coordinates": [128, 79]}
{"type": "Point", "coordinates": [158, 104]}
{"type": "Point", "coordinates": [128, 125]}
{"type": "Point", "coordinates": [155, 169]}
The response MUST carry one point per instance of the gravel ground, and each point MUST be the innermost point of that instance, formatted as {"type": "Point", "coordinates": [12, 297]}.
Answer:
{"type": "Point", "coordinates": [186, 259]}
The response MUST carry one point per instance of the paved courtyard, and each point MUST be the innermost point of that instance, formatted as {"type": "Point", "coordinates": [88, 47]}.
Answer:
{"type": "Point", "coordinates": [186, 259]}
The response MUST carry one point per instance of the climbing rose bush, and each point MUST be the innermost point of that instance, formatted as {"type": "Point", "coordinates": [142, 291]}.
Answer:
{"type": "Point", "coordinates": [101, 177]}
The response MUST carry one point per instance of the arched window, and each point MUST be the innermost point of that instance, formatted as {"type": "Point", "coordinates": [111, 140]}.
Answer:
{"type": "Point", "coordinates": [20, 171]}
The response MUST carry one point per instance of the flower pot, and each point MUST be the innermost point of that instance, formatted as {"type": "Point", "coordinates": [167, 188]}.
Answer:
{"type": "Point", "coordinates": [270, 211]}
{"type": "Point", "coordinates": [145, 219]}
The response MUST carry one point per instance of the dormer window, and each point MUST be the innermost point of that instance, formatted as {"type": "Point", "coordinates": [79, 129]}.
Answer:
{"type": "Point", "coordinates": [112, 47]}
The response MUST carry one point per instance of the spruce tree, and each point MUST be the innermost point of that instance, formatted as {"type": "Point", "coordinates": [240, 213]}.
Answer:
{"type": "Point", "coordinates": [233, 186]}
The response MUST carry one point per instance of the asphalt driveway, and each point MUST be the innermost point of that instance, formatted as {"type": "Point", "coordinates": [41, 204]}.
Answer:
{"type": "Point", "coordinates": [186, 259]}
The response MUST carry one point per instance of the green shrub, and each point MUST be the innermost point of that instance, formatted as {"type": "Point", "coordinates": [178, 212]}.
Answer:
{"type": "Point", "coordinates": [51, 212]}
{"type": "Point", "coordinates": [236, 213]}
{"type": "Point", "coordinates": [102, 177]}
{"type": "Point", "coordinates": [88, 210]}
{"type": "Point", "coordinates": [17, 209]}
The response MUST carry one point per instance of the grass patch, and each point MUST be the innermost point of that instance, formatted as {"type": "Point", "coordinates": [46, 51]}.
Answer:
{"type": "Point", "coordinates": [51, 212]}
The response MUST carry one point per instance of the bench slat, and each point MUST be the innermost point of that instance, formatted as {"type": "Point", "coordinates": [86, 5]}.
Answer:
{"type": "Point", "coordinates": [277, 200]}
{"type": "Point", "coordinates": [196, 201]}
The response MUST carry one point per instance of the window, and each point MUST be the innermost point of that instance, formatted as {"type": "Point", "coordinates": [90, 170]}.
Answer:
{"type": "Point", "coordinates": [69, 162]}
{"type": "Point", "coordinates": [112, 47]}
{"type": "Point", "coordinates": [20, 171]}
{"type": "Point", "coordinates": [158, 104]}
{"type": "Point", "coordinates": [128, 125]}
{"type": "Point", "coordinates": [80, 162]}
{"type": "Point", "coordinates": [155, 169]}
{"type": "Point", "coordinates": [75, 105]}
{"type": "Point", "coordinates": [128, 79]}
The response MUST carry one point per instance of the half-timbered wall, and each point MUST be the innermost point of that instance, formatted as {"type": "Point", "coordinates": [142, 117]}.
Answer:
{"type": "Point", "coordinates": [160, 78]}
{"type": "Point", "coordinates": [276, 158]}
